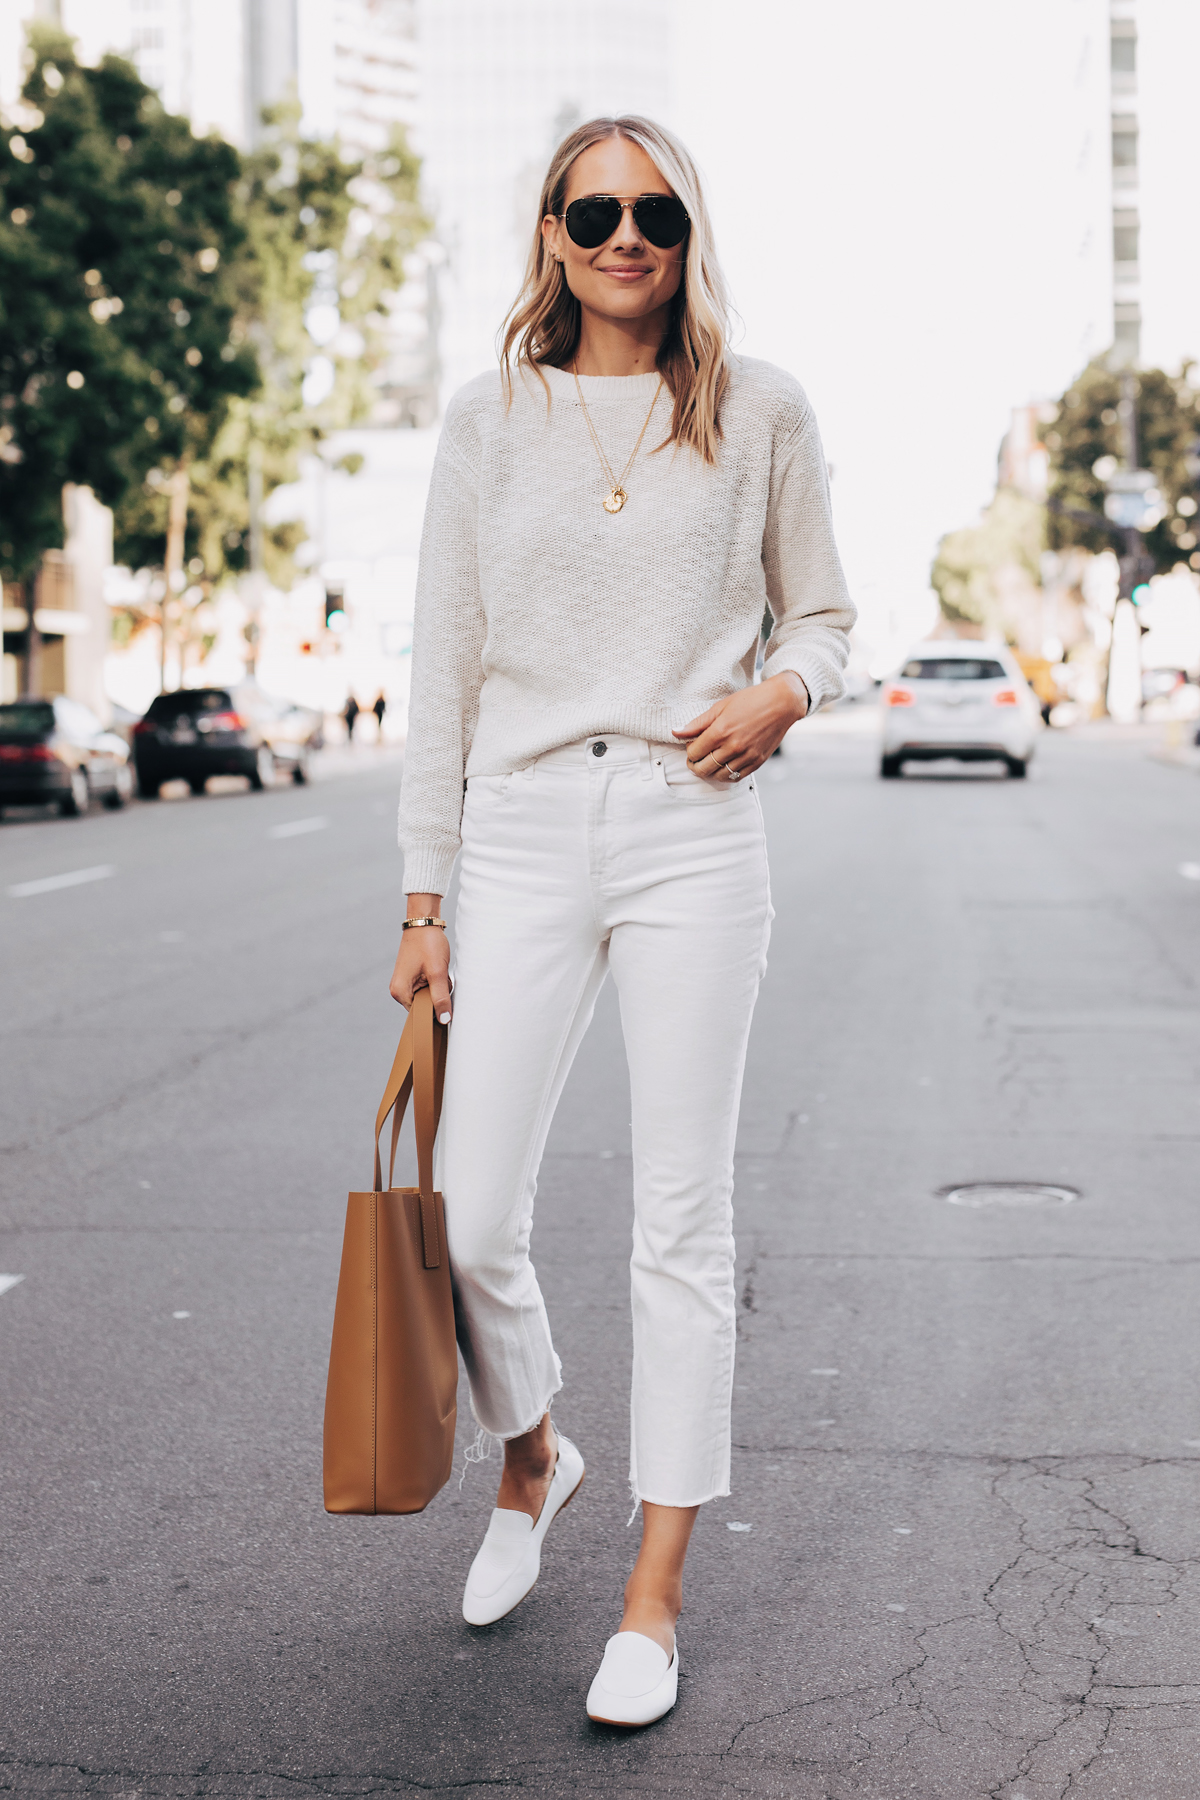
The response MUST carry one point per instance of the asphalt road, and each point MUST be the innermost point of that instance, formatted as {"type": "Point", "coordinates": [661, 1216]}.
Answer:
{"type": "Point", "coordinates": [960, 1559]}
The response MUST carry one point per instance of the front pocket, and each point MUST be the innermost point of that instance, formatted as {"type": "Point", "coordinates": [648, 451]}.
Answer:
{"type": "Point", "coordinates": [691, 789]}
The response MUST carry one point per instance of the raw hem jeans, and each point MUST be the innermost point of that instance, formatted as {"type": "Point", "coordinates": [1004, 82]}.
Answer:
{"type": "Point", "coordinates": [608, 853]}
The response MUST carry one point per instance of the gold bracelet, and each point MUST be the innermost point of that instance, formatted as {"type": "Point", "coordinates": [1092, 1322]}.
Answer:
{"type": "Point", "coordinates": [409, 923]}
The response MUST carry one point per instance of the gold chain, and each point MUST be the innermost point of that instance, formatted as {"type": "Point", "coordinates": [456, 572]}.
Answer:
{"type": "Point", "coordinates": [617, 496]}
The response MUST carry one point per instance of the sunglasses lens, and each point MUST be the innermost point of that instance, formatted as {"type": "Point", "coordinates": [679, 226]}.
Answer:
{"type": "Point", "coordinates": [663, 219]}
{"type": "Point", "coordinates": [591, 223]}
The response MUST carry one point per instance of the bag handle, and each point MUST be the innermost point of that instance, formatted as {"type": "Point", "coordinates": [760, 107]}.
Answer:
{"type": "Point", "coordinates": [419, 1070]}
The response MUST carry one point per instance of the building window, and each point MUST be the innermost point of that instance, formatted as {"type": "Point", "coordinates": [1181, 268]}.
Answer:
{"type": "Point", "coordinates": [1125, 243]}
{"type": "Point", "coordinates": [148, 37]}
{"type": "Point", "coordinates": [1124, 144]}
{"type": "Point", "coordinates": [1124, 55]}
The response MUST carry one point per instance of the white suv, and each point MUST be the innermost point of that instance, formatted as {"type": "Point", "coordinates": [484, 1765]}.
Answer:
{"type": "Point", "coordinates": [955, 698]}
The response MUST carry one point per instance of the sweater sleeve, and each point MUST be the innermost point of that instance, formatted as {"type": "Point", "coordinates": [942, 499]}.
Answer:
{"type": "Point", "coordinates": [806, 589]}
{"type": "Point", "coordinates": [449, 630]}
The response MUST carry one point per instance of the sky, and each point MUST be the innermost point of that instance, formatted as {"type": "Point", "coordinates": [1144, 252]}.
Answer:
{"type": "Point", "coordinates": [912, 204]}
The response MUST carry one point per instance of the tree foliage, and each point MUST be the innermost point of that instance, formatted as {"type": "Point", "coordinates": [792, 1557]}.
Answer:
{"type": "Point", "coordinates": [973, 567]}
{"type": "Point", "coordinates": [120, 233]}
{"type": "Point", "coordinates": [1088, 430]}
{"type": "Point", "coordinates": [164, 298]}
{"type": "Point", "coordinates": [324, 246]}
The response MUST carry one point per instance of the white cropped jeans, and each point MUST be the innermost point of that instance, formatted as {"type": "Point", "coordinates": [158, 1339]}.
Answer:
{"type": "Point", "coordinates": [608, 853]}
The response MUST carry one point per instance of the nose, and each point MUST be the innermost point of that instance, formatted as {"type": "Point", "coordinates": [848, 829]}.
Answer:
{"type": "Point", "coordinates": [626, 236]}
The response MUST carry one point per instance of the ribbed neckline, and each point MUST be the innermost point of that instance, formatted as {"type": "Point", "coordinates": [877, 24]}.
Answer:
{"type": "Point", "coordinates": [602, 387]}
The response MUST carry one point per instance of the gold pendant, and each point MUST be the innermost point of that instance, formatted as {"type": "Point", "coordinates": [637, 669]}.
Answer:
{"type": "Point", "coordinates": [616, 500]}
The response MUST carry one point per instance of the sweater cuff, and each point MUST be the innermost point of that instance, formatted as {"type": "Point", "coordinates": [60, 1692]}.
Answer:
{"type": "Point", "coordinates": [428, 868]}
{"type": "Point", "coordinates": [823, 681]}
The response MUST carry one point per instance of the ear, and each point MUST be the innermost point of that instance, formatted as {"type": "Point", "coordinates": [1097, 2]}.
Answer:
{"type": "Point", "coordinates": [552, 236]}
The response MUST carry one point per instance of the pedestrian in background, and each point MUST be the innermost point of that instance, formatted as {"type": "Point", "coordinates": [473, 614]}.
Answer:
{"type": "Point", "coordinates": [608, 517]}
{"type": "Point", "coordinates": [379, 708]}
{"type": "Point", "coordinates": [350, 713]}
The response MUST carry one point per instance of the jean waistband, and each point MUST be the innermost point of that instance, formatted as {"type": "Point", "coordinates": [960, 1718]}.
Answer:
{"type": "Point", "coordinates": [617, 750]}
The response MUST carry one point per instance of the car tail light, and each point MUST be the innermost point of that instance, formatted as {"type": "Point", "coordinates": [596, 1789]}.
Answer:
{"type": "Point", "coordinates": [26, 753]}
{"type": "Point", "coordinates": [223, 721]}
{"type": "Point", "coordinates": [142, 727]}
{"type": "Point", "coordinates": [899, 696]}
{"type": "Point", "coordinates": [1006, 697]}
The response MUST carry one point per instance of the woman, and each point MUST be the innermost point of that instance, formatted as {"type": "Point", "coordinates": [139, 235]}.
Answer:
{"type": "Point", "coordinates": [606, 522]}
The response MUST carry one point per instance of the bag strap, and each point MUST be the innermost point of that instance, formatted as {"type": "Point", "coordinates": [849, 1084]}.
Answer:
{"type": "Point", "coordinates": [419, 1070]}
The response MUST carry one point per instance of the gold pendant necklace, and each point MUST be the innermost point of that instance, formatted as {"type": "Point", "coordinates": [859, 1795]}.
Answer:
{"type": "Point", "coordinates": [617, 495]}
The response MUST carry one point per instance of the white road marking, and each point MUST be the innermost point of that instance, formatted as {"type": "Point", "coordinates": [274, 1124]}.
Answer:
{"type": "Point", "coordinates": [902, 1530]}
{"type": "Point", "coordinates": [824, 1371]}
{"type": "Point", "coordinates": [734, 1525]}
{"type": "Point", "coordinates": [297, 828]}
{"type": "Point", "coordinates": [894, 1606]}
{"type": "Point", "coordinates": [25, 890]}
{"type": "Point", "coordinates": [1190, 871]}
{"type": "Point", "coordinates": [181, 1315]}
{"type": "Point", "coordinates": [9, 1281]}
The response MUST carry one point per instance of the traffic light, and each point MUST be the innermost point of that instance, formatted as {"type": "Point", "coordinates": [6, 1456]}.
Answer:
{"type": "Point", "coordinates": [335, 609]}
{"type": "Point", "coordinates": [1140, 593]}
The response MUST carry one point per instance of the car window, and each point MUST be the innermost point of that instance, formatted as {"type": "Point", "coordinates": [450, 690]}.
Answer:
{"type": "Point", "coordinates": [30, 718]}
{"type": "Point", "coordinates": [78, 721]}
{"type": "Point", "coordinates": [190, 703]}
{"type": "Point", "coordinates": [954, 668]}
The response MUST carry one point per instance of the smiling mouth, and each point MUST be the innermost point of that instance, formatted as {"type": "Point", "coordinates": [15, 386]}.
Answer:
{"type": "Point", "coordinates": [625, 271]}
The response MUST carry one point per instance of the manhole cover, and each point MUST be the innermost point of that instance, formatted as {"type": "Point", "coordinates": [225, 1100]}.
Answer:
{"type": "Point", "coordinates": [1009, 1193]}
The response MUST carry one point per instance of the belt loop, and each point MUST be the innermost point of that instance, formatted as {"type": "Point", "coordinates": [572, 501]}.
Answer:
{"type": "Point", "coordinates": [647, 760]}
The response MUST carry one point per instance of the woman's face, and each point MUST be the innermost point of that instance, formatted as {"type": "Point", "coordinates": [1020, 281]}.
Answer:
{"type": "Point", "coordinates": [626, 278]}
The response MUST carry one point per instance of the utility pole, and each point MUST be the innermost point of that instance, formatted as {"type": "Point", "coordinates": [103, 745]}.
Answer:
{"type": "Point", "coordinates": [178, 489]}
{"type": "Point", "coordinates": [255, 558]}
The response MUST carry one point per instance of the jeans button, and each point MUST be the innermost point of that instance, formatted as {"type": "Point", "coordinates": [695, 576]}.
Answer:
{"type": "Point", "coordinates": [599, 749]}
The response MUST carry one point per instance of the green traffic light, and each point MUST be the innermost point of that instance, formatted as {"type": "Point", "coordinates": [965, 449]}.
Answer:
{"type": "Point", "coordinates": [1141, 592]}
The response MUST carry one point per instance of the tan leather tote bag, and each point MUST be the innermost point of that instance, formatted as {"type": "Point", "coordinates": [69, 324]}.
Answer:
{"type": "Point", "coordinates": [393, 1367]}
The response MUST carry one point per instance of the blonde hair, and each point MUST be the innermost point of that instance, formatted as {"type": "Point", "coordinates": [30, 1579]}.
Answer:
{"type": "Point", "coordinates": [543, 325]}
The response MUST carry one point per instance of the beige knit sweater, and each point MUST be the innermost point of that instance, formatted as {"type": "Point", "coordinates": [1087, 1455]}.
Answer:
{"type": "Point", "coordinates": [541, 618]}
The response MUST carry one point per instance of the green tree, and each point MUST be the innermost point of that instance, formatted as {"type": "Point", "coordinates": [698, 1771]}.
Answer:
{"type": "Point", "coordinates": [973, 569]}
{"type": "Point", "coordinates": [1087, 441]}
{"type": "Point", "coordinates": [122, 273]}
{"type": "Point", "coordinates": [323, 248]}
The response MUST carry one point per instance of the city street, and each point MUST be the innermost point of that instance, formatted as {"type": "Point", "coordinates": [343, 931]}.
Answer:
{"type": "Point", "coordinates": [961, 1559]}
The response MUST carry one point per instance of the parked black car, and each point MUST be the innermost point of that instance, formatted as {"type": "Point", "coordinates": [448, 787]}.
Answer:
{"type": "Point", "coordinates": [197, 732]}
{"type": "Point", "coordinates": [57, 753]}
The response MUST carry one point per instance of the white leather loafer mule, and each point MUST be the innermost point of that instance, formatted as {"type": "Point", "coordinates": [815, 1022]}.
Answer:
{"type": "Point", "coordinates": [510, 1556]}
{"type": "Point", "coordinates": [635, 1683]}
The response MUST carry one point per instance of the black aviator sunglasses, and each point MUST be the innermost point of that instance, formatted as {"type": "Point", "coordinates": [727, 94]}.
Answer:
{"type": "Point", "coordinates": [661, 218]}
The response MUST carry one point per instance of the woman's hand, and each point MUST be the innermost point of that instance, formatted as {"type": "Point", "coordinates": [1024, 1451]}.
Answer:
{"type": "Point", "coordinates": [424, 958]}
{"type": "Point", "coordinates": [736, 736]}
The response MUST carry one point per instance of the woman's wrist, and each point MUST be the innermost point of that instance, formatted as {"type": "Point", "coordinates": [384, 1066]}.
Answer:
{"type": "Point", "coordinates": [796, 686]}
{"type": "Point", "coordinates": [428, 909]}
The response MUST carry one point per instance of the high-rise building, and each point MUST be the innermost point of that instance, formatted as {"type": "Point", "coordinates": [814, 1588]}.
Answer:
{"type": "Point", "coordinates": [502, 80]}
{"type": "Point", "coordinates": [357, 69]}
{"type": "Point", "coordinates": [1126, 221]}
{"type": "Point", "coordinates": [351, 63]}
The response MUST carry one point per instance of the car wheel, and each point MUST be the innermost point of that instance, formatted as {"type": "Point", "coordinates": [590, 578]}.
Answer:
{"type": "Point", "coordinates": [300, 771]}
{"type": "Point", "coordinates": [263, 773]}
{"type": "Point", "coordinates": [1017, 768]}
{"type": "Point", "coordinates": [199, 784]}
{"type": "Point", "coordinates": [74, 804]}
{"type": "Point", "coordinates": [121, 789]}
{"type": "Point", "coordinates": [147, 789]}
{"type": "Point", "coordinates": [889, 767]}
